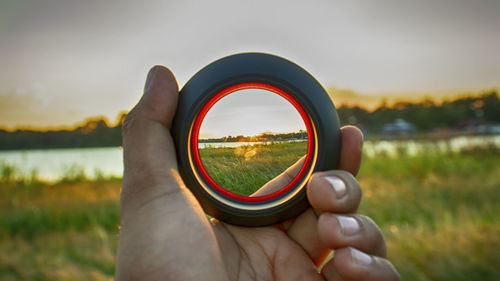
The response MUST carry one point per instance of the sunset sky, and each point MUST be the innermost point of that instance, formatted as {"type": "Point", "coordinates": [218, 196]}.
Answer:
{"type": "Point", "coordinates": [251, 112]}
{"type": "Point", "coordinates": [62, 61]}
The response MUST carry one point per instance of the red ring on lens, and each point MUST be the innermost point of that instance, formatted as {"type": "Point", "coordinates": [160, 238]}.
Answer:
{"type": "Point", "coordinates": [196, 130]}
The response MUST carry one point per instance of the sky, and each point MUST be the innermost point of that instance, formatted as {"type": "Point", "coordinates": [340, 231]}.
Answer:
{"type": "Point", "coordinates": [251, 112]}
{"type": "Point", "coordinates": [62, 61]}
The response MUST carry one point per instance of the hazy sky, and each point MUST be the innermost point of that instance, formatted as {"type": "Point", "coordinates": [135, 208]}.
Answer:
{"type": "Point", "coordinates": [251, 112]}
{"type": "Point", "coordinates": [62, 60]}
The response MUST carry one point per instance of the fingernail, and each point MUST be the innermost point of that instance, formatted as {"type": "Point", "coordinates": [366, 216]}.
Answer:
{"type": "Point", "coordinates": [360, 258]}
{"type": "Point", "coordinates": [338, 186]}
{"type": "Point", "coordinates": [151, 77]}
{"type": "Point", "coordinates": [348, 225]}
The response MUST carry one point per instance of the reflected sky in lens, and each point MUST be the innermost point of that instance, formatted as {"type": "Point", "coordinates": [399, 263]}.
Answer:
{"type": "Point", "coordinates": [250, 112]}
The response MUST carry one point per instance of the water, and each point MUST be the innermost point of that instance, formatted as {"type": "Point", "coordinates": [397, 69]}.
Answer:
{"type": "Point", "coordinates": [413, 147]}
{"type": "Point", "coordinates": [52, 164]}
{"type": "Point", "coordinates": [202, 145]}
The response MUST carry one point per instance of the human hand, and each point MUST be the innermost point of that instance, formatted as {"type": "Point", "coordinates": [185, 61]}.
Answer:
{"type": "Point", "coordinates": [165, 234]}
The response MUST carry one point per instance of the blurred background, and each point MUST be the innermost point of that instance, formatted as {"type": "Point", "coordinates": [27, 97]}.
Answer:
{"type": "Point", "coordinates": [420, 78]}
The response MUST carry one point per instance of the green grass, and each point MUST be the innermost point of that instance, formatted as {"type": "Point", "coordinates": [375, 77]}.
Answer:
{"type": "Point", "coordinates": [439, 212]}
{"type": "Point", "coordinates": [61, 231]}
{"type": "Point", "coordinates": [243, 170]}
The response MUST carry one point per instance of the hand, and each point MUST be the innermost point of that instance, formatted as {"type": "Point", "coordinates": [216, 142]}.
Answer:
{"type": "Point", "coordinates": [165, 234]}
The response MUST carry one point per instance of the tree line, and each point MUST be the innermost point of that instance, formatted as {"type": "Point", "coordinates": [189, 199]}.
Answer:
{"type": "Point", "coordinates": [264, 137]}
{"type": "Point", "coordinates": [425, 115]}
{"type": "Point", "coordinates": [96, 132]}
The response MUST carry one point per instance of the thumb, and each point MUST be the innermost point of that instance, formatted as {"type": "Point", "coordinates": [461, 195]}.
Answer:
{"type": "Point", "coordinates": [148, 149]}
{"type": "Point", "coordinates": [159, 101]}
{"type": "Point", "coordinates": [281, 180]}
{"type": "Point", "coordinates": [160, 219]}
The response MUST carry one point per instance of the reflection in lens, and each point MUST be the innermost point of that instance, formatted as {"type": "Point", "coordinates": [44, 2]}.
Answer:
{"type": "Point", "coordinates": [250, 137]}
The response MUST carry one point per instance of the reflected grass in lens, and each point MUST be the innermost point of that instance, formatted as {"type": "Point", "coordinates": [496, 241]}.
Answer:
{"type": "Point", "coordinates": [243, 170]}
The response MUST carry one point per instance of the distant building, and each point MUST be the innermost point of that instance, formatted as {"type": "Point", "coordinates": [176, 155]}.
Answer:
{"type": "Point", "coordinates": [490, 129]}
{"type": "Point", "coordinates": [398, 128]}
{"type": "Point", "coordinates": [477, 126]}
{"type": "Point", "coordinates": [470, 125]}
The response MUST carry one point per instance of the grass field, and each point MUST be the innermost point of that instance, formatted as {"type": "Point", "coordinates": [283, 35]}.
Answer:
{"type": "Point", "coordinates": [440, 213]}
{"type": "Point", "coordinates": [243, 170]}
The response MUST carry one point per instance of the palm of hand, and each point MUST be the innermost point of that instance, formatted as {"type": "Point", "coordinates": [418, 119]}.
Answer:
{"type": "Point", "coordinates": [264, 253]}
{"type": "Point", "coordinates": [199, 249]}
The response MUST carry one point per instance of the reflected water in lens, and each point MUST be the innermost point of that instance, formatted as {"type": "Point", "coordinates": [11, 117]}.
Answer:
{"type": "Point", "coordinates": [250, 137]}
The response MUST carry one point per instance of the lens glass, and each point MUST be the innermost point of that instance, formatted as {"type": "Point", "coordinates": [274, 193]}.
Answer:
{"type": "Point", "coordinates": [252, 142]}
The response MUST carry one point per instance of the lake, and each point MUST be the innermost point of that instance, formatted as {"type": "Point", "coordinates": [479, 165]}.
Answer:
{"type": "Point", "coordinates": [52, 164]}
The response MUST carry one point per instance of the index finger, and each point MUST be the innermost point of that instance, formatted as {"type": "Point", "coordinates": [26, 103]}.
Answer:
{"type": "Point", "coordinates": [351, 149]}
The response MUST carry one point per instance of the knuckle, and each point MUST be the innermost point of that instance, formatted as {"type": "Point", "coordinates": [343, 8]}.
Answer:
{"type": "Point", "coordinates": [129, 123]}
{"type": "Point", "coordinates": [388, 271]}
{"type": "Point", "coordinates": [345, 175]}
{"type": "Point", "coordinates": [314, 178]}
{"type": "Point", "coordinates": [375, 242]}
{"type": "Point", "coordinates": [366, 220]}
{"type": "Point", "coordinates": [370, 225]}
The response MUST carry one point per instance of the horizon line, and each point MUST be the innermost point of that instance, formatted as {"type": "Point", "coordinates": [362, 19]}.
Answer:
{"type": "Point", "coordinates": [340, 97]}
